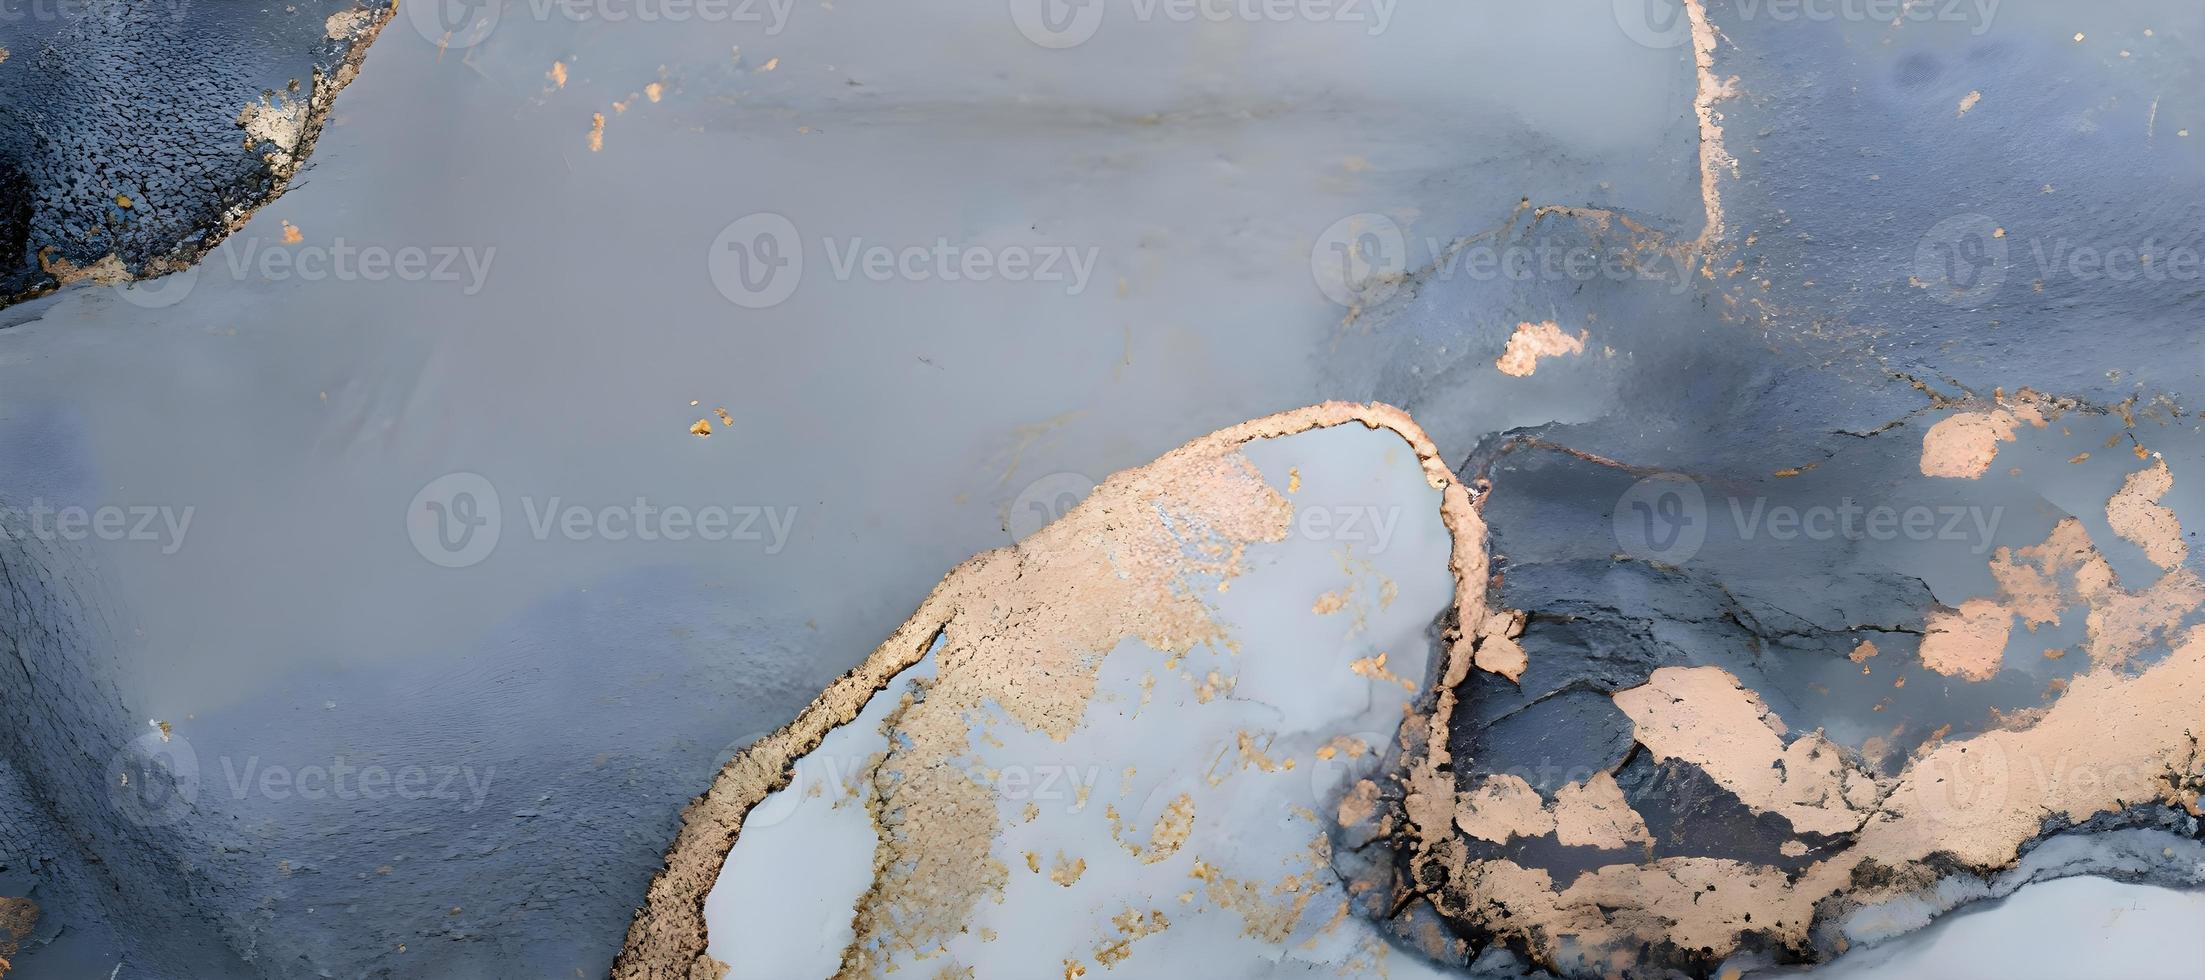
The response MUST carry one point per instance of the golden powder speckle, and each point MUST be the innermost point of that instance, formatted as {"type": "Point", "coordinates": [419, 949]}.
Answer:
{"type": "Point", "coordinates": [1067, 872]}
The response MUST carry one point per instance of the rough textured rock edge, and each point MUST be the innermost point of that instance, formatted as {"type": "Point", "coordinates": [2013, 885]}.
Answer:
{"type": "Point", "coordinates": [280, 167]}
{"type": "Point", "coordinates": [667, 939]}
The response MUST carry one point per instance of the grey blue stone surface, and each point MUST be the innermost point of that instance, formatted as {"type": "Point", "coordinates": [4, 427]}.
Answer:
{"type": "Point", "coordinates": [538, 707]}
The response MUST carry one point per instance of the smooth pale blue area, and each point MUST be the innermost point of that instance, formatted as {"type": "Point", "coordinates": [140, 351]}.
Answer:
{"type": "Point", "coordinates": [2055, 930]}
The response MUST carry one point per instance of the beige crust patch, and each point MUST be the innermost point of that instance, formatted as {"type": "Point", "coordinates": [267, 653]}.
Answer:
{"type": "Point", "coordinates": [1710, 88]}
{"type": "Point", "coordinates": [1532, 341]}
{"type": "Point", "coordinates": [1969, 642]}
{"type": "Point", "coordinates": [2039, 582]}
{"type": "Point", "coordinates": [1962, 446]}
{"type": "Point", "coordinates": [1595, 813]}
{"type": "Point", "coordinates": [18, 916]}
{"type": "Point", "coordinates": [276, 119]}
{"type": "Point", "coordinates": [2136, 515]}
{"type": "Point", "coordinates": [1498, 651]}
{"type": "Point", "coordinates": [1702, 715]}
{"type": "Point", "coordinates": [346, 24]}
{"type": "Point", "coordinates": [1503, 807]}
